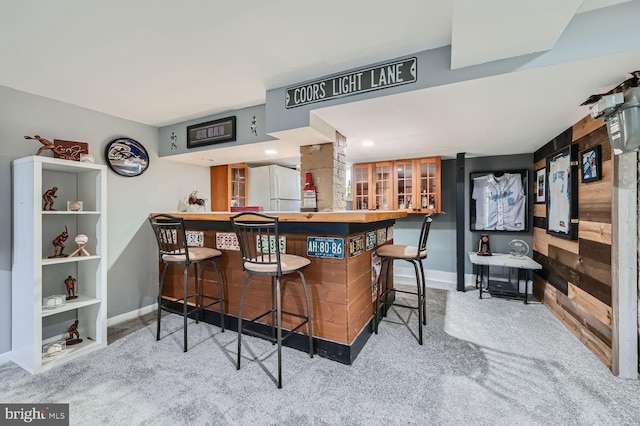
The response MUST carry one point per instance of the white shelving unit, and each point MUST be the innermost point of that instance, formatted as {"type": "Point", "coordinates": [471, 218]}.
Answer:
{"type": "Point", "coordinates": [36, 276]}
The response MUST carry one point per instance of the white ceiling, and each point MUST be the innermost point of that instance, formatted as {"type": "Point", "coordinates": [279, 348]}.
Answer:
{"type": "Point", "coordinates": [161, 62]}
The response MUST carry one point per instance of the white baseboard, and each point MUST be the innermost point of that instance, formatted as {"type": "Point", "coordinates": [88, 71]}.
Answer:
{"type": "Point", "coordinates": [131, 315]}
{"type": "Point", "coordinates": [404, 275]}
{"type": "Point", "coordinates": [5, 357]}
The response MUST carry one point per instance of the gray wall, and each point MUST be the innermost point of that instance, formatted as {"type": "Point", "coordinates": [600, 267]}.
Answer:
{"type": "Point", "coordinates": [441, 245]}
{"type": "Point", "coordinates": [580, 40]}
{"type": "Point", "coordinates": [442, 238]}
{"type": "Point", "coordinates": [499, 240]}
{"type": "Point", "coordinates": [243, 131]}
{"type": "Point", "coordinates": [131, 248]}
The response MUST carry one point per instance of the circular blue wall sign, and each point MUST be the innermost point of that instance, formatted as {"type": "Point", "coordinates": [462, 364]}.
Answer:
{"type": "Point", "coordinates": [126, 157]}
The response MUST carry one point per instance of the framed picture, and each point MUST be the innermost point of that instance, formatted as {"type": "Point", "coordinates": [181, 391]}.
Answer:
{"type": "Point", "coordinates": [499, 201]}
{"type": "Point", "coordinates": [126, 157]}
{"type": "Point", "coordinates": [562, 193]}
{"type": "Point", "coordinates": [540, 185]}
{"type": "Point", "coordinates": [591, 162]}
{"type": "Point", "coordinates": [212, 132]}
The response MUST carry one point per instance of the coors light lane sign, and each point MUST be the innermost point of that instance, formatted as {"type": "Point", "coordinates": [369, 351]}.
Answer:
{"type": "Point", "coordinates": [380, 77]}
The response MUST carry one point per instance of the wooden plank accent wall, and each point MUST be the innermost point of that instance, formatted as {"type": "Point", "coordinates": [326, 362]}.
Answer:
{"type": "Point", "coordinates": [575, 282]}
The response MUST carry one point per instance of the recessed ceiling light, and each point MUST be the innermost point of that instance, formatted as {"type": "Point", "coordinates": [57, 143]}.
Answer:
{"type": "Point", "coordinates": [367, 142]}
{"type": "Point", "coordinates": [270, 151]}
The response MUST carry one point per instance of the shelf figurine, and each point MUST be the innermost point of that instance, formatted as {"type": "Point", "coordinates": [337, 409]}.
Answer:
{"type": "Point", "coordinates": [73, 331]}
{"type": "Point", "coordinates": [81, 241]}
{"type": "Point", "coordinates": [195, 204]}
{"type": "Point", "coordinates": [47, 145]}
{"type": "Point", "coordinates": [70, 282]}
{"type": "Point", "coordinates": [48, 197]}
{"type": "Point", "coordinates": [58, 243]}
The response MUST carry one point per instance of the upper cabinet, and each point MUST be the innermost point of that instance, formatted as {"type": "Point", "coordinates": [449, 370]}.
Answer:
{"type": "Point", "coordinates": [412, 185]}
{"type": "Point", "coordinates": [229, 186]}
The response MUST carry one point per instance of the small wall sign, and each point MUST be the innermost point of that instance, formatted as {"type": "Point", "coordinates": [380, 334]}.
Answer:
{"type": "Point", "coordinates": [365, 80]}
{"type": "Point", "coordinates": [212, 132]}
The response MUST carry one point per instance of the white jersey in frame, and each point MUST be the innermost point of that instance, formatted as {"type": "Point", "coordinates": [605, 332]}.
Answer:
{"type": "Point", "coordinates": [559, 219]}
{"type": "Point", "coordinates": [500, 202]}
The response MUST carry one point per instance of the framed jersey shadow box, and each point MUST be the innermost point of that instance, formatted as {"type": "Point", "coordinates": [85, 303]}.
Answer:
{"type": "Point", "coordinates": [499, 201]}
{"type": "Point", "coordinates": [562, 193]}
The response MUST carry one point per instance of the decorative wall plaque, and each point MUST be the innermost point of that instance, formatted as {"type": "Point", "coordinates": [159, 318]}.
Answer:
{"type": "Point", "coordinates": [212, 132]}
{"type": "Point", "coordinates": [69, 150]}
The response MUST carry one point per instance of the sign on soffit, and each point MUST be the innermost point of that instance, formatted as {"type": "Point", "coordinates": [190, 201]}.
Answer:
{"type": "Point", "coordinates": [365, 80]}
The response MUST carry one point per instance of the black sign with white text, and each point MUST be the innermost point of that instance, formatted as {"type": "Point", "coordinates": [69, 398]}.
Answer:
{"type": "Point", "coordinates": [361, 81]}
{"type": "Point", "coordinates": [212, 132]}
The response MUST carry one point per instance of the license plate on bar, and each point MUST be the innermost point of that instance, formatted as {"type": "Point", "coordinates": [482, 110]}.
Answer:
{"type": "Point", "coordinates": [371, 240]}
{"type": "Point", "coordinates": [327, 247]}
{"type": "Point", "coordinates": [267, 244]}
{"type": "Point", "coordinates": [356, 245]}
{"type": "Point", "coordinates": [227, 241]}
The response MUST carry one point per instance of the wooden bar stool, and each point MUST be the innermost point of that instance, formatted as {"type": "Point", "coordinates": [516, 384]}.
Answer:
{"type": "Point", "coordinates": [172, 244]}
{"type": "Point", "coordinates": [258, 237]}
{"type": "Point", "coordinates": [414, 254]}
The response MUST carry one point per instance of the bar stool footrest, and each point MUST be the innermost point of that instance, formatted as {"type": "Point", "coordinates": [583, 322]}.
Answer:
{"type": "Point", "coordinates": [190, 310]}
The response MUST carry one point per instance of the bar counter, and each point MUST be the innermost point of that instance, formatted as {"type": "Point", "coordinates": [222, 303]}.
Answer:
{"type": "Point", "coordinates": [339, 283]}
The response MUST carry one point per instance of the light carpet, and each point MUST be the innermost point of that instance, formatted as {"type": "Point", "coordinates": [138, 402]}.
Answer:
{"type": "Point", "coordinates": [483, 362]}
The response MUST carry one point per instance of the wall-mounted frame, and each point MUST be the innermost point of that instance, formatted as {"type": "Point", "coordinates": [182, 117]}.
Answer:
{"type": "Point", "coordinates": [212, 132]}
{"type": "Point", "coordinates": [562, 193]}
{"type": "Point", "coordinates": [499, 201]}
{"type": "Point", "coordinates": [540, 185]}
{"type": "Point", "coordinates": [126, 157]}
{"type": "Point", "coordinates": [591, 164]}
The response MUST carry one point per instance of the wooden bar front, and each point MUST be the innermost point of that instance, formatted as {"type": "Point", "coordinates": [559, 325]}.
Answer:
{"type": "Point", "coordinates": [340, 289]}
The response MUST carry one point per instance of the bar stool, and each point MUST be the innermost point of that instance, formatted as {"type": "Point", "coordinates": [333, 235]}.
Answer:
{"type": "Point", "coordinates": [174, 250]}
{"type": "Point", "coordinates": [414, 254]}
{"type": "Point", "coordinates": [258, 237]}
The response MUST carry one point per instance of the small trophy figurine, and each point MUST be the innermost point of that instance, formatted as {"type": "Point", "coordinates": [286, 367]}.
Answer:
{"type": "Point", "coordinates": [73, 331]}
{"type": "Point", "coordinates": [70, 282]}
{"type": "Point", "coordinates": [484, 248]}
{"type": "Point", "coordinates": [48, 197]}
{"type": "Point", "coordinates": [58, 243]}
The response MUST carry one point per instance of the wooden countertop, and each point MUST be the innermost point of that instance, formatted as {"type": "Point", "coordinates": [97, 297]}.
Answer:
{"type": "Point", "coordinates": [350, 216]}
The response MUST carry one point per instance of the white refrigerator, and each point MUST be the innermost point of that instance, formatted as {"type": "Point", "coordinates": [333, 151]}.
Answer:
{"type": "Point", "coordinates": [275, 188]}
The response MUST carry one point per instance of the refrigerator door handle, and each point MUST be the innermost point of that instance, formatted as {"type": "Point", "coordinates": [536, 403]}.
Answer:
{"type": "Point", "coordinates": [276, 182]}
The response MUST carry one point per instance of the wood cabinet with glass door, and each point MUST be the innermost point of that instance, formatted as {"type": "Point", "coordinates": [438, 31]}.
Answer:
{"type": "Point", "coordinates": [362, 195]}
{"type": "Point", "coordinates": [428, 184]}
{"type": "Point", "coordinates": [417, 185]}
{"type": "Point", "coordinates": [412, 185]}
{"type": "Point", "coordinates": [382, 185]}
{"type": "Point", "coordinates": [229, 186]}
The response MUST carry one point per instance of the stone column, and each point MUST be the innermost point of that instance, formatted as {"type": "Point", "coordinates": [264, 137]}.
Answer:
{"type": "Point", "coordinates": [327, 164]}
